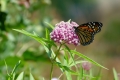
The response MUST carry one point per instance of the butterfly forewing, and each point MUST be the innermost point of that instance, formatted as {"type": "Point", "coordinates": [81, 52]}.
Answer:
{"type": "Point", "coordinates": [86, 32]}
{"type": "Point", "coordinates": [93, 27]}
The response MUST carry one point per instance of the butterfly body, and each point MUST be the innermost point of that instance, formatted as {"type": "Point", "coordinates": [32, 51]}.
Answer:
{"type": "Point", "coordinates": [86, 32]}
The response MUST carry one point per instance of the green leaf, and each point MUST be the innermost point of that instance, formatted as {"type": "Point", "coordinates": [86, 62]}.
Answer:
{"type": "Point", "coordinates": [69, 20]}
{"type": "Point", "coordinates": [98, 76]}
{"type": "Point", "coordinates": [66, 58]}
{"type": "Point", "coordinates": [48, 50]}
{"type": "Point", "coordinates": [9, 59]}
{"type": "Point", "coordinates": [35, 34]}
{"type": "Point", "coordinates": [115, 74]}
{"type": "Point", "coordinates": [67, 48]}
{"type": "Point", "coordinates": [13, 76]}
{"type": "Point", "coordinates": [53, 55]}
{"type": "Point", "coordinates": [65, 68]}
{"type": "Point", "coordinates": [13, 71]}
{"type": "Point", "coordinates": [81, 72]}
{"type": "Point", "coordinates": [68, 75]}
{"type": "Point", "coordinates": [68, 69]}
{"type": "Point", "coordinates": [88, 59]}
{"type": "Point", "coordinates": [37, 38]}
{"type": "Point", "coordinates": [91, 75]}
{"type": "Point", "coordinates": [47, 34]}
{"type": "Point", "coordinates": [20, 76]}
{"type": "Point", "coordinates": [76, 62]}
{"type": "Point", "coordinates": [31, 77]}
{"type": "Point", "coordinates": [49, 25]}
{"type": "Point", "coordinates": [6, 68]}
{"type": "Point", "coordinates": [49, 42]}
{"type": "Point", "coordinates": [71, 60]}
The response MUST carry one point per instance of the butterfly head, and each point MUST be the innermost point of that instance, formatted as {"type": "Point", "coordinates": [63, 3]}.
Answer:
{"type": "Point", "coordinates": [75, 28]}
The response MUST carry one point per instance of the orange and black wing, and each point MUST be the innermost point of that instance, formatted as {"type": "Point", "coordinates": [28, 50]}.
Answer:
{"type": "Point", "coordinates": [86, 32]}
{"type": "Point", "coordinates": [92, 27]}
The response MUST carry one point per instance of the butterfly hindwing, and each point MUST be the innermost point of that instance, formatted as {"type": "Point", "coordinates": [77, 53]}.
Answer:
{"type": "Point", "coordinates": [84, 36]}
{"type": "Point", "coordinates": [86, 32]}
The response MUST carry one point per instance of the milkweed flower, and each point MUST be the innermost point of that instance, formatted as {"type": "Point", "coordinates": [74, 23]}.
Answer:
{"type": "Point", "coordinates": [86, 65]}
{"type": "Point", "coordinates": [118, 76]}
{"type": "Point", "coordinates": [55, 79]}
{"type": "Point", "coordinates": [64, 32]}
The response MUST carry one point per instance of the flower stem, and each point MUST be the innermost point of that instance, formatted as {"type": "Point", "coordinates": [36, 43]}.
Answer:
{"type": "Point", "coordinates": [51, 72]}
{"type": "Point", "coordinates": [57, 52]}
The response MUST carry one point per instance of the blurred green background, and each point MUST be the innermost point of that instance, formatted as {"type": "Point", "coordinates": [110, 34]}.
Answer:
{"type": "Point", "coordinates": [31, 15]}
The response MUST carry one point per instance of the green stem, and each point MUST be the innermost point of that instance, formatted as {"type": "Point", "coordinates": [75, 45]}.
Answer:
{"type": "Point", "coordinates": [57, 52]}
{"type": "Point", "coordinates": [51, 72]}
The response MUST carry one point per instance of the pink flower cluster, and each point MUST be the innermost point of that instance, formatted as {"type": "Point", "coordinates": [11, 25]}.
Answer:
{"type": "Point", "coordinates": [65, 32]}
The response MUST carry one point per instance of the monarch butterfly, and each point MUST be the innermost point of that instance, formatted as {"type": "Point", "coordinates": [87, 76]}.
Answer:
{"type": "Point", "coordinates": [86, 32]}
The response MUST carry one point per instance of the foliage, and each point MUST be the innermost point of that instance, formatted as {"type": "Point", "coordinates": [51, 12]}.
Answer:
{"type": "Point", "coordinates": [39, 16]}
{"type": "Point", "coordinates": [65, 66]}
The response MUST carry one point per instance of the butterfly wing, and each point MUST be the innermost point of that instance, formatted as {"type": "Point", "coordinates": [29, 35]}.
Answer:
{"type": "Point", "coordinates": [84, 36]}
{"type": "Point", "coordinates": [92, 27]}
{"type": "Point", "coordinates": [87, 31]}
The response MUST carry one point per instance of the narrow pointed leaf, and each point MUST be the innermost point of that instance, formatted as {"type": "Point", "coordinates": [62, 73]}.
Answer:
{"type": "Point", "coordinates": [88, 59]}
{"type": "Point", "coordinates": [31, 77]}
{"type": "Point", "coordinates": [115, 74]}
{"type": "Point", "coordinates": [20, 76]}
{"type": "Point", "coordinates": [49, 25]}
